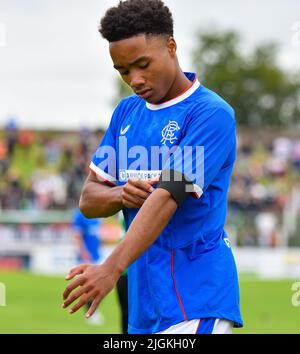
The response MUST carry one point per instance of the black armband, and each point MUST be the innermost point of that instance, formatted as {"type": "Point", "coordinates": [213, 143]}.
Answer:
{"type": "Point", "coordinates": [176, 184]}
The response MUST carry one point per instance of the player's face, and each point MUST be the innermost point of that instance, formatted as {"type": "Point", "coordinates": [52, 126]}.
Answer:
{"type": "Point", "coordinates": [147, 65]}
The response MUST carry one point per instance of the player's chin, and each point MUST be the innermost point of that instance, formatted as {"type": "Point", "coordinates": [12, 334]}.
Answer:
{"type": "Point", "coordinates": [148, 100]}
{"type": "Point", "coordinates": [153, 99]}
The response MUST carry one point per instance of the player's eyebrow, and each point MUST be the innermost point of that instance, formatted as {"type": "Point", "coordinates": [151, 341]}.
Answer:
{"type": "Point", "coordinates": [138, 60]}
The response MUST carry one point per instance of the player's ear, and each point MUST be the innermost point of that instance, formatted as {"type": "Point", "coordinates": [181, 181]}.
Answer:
{"type": "Point", "coordinates": [172, 46]}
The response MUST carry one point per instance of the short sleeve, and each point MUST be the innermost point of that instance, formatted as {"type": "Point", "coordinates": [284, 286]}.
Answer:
{"type": "Point", "coordinates": [205, 147]}
{"type": "Point", "coordinates": [104, 163]}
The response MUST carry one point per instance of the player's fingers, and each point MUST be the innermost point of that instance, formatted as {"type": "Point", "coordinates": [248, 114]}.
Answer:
{"type": "Point", "coordinates": [129, 205]}
{"type": "Point", "coordinates": [79, 304]}
{"type": "Point", "coordinates": [153, 180]}
{"type": "Point", "coordinates": [132, 197]}
{"type": "Point", "coordinates": [72, 286]}
{"type": "Point", "coordinates": [75, 295]}
{"type": "Point", "coordinates": [134, 191]}
{"type": "Point", "coordinates": [76, 271]}
{"type": "Point", "coordinates": [144, 185]}
{"type": "Point", "coordinates": [94, 306]}
{"type": "Point", "coordinates": [84, 299]}
{"type": "Point", "coordinates": [132, 202]}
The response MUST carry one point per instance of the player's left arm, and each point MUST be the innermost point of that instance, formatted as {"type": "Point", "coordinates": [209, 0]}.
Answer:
{"type": "Point", "coordinates": [94, 282]}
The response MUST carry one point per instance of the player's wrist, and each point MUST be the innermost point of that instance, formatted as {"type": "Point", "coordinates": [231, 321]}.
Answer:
{"type": "Point", "coordinates": [116, 269]}
{"type": "Point", "coordinates": [120, 195]}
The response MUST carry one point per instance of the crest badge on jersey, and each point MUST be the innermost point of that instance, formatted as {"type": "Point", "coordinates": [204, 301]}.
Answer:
{"type": "Point", "coordinates": [169, 132]}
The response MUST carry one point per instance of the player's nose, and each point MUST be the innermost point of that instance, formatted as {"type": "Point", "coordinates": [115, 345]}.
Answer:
{"type": "Point", "coordinates": [137, 82]}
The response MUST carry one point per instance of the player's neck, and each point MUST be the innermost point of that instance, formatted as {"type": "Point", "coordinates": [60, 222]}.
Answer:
{"type": "Point", "coordinates": [180, 85]}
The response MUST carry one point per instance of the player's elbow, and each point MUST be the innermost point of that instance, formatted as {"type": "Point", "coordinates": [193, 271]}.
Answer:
{"type": "Point", "coordinates": [86, 204]}
{"type": "Point", "coordinates": [84, 208]}
{"type": "Point", "coordinates": [89, 209]}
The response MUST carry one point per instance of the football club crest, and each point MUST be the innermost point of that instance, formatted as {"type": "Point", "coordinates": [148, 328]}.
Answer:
{"type": "Point", "coordinates": [169, 131]}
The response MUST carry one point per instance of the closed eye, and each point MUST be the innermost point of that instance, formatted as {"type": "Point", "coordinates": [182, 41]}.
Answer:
{"type": "Point", "coordinates": [126, 72]}
{"type": "Point", "coordinates": [144, 66]}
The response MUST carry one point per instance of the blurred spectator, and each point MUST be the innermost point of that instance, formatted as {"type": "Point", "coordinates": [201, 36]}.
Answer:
{"type": "Point", "coordinates": [87, 238]}
{"type": "Point", "coordinates": [11, 132]}
{"type": "Point", "coordinates": [296, 156]}
{"type": "Point", "coordinates": [266, 223]}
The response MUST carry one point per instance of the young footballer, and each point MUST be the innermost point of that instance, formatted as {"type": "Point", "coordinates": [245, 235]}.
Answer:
{"type": "Point", "coordinates": [182, 276]}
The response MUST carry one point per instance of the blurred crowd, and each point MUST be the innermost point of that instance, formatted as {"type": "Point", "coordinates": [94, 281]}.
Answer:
{"type": "Point", "coordinates": [46, 170]}
{"type": "Point", "coordinates": [43, 170]}
{"type": "Point", "coordinates": [265, 173]}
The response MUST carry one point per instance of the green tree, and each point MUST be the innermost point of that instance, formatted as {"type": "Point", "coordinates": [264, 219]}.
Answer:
{"type": "Point", "coordinates": [261, 92]}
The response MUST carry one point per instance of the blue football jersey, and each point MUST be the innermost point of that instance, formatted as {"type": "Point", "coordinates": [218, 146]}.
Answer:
{"type": "Point", "coordinates": [90, 231]}
{"type": "Point", "coordinates": [189, 272]}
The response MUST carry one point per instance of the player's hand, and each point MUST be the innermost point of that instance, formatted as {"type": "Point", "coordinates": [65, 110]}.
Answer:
{"type": "Point", "coordinates": [136, 191]}
{"type": "Point", "coordinates": [92, 283]}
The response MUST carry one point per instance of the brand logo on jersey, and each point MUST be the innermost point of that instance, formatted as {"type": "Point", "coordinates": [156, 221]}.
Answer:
{"type": "Point", "coordinates": [124, 175]}
{"type": "Point", "coordinates": [168, 133]}
{"type": "Point", "coordinates": [124, 131]}
{"type": "Point", "coordinates": [228, 244]}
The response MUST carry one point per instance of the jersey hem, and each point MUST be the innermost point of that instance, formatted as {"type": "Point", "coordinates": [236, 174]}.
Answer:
{"type": "Point", "coordinates": [237, 323]}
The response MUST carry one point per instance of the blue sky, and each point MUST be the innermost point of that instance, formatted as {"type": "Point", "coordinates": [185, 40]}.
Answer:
{"type": "Point", "coordinates": [55, 69]}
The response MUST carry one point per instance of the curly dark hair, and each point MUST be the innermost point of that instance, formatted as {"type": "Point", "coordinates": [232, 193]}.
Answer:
{"type": "Point", "coordinates": [133, 17]}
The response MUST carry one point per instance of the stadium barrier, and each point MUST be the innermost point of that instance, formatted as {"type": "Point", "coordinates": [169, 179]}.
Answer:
{"type": "Point", "coordinates": [41, 242]}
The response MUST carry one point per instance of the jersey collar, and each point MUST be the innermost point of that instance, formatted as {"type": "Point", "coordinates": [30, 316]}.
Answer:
{"type": "Point", "coordinates": [187, 93]}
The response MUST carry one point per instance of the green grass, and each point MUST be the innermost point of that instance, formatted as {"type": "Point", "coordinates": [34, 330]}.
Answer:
{"type": "Point", "coordinates": [267, 307]}
{"type": "Point", "coordinates": [33, 305]}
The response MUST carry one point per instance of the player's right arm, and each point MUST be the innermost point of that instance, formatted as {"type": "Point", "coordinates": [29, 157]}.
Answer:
{"type": "Point", "coordinates": [100, 200]}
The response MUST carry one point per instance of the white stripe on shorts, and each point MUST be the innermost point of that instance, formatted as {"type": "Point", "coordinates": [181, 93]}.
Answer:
{"type": "Point", "coordinates": [222, 327]}
{"type": "Point", "coordinates": [190, 327]}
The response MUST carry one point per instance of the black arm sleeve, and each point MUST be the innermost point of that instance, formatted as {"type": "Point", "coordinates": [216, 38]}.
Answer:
{"type": "Point", "coordinates": [176, 184]}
